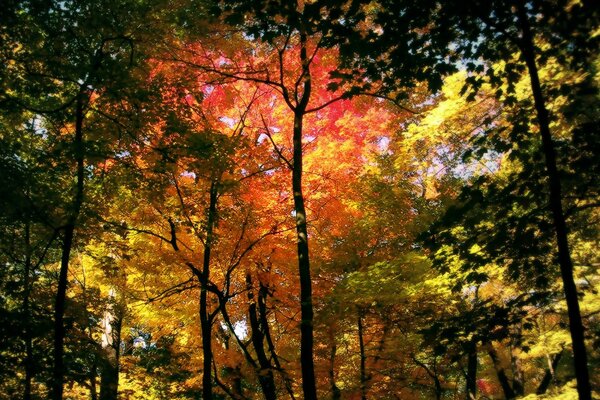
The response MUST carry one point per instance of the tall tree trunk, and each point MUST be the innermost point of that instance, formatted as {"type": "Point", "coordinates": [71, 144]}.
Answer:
{"type": "Point", "coordinates": [205, 322]}
{"type": "Point", "coordinates": [69, 231]}
{"type": "Point", "coordinates": [471, 377]}
{"type": "Point", "coordinates": [265, 372]}
{"type": "Point", "coordinates": [306, 305]}
{"type": "Point", "coordinates": [111, 339]}
{"type": "Point", "coordinates": [560, 226]}
{"type": "Point", "coordinates": [363, 359]}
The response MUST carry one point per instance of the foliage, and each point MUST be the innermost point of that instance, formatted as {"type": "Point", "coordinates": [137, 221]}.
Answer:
{"type": "Point", "coordinates": [165, 135]}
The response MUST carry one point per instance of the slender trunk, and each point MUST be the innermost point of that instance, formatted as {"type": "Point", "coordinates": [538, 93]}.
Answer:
{"type": "Point", "coordinates": [69, 230]}
{"type": "Point", "coordinates": [306, 306]}
{"type": "Point", "coordinates": [335, 390]}
{"type": "Point", "coordinates": [94, 368]}
{"type": "Point", "coordinates": [500, 373]}
{"type": "Point", "coordinates": [205, 322]}
{"type": "Point", "coordinates": [549, 374]}
{"type": "Point", "coordinates": [363, 359]}
{"type": "Point", "coordinates": [92, 377]}
{"type": "Point", "coordinates": [264, 322]}
{"type": "Point", "coordinates": [564, 257]}
{"type": "Point", "coordinates": [432, 372]}
{"type": "Point", "coordinates": [111, 339]}
{"type": "Point", "coordinates": [471, 378]}
{"type": "Point", "coordinates": [265, 371]}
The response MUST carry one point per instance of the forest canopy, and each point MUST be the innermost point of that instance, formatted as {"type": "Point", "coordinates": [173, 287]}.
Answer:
{"type": "Point", "coordinates": [307, 199]}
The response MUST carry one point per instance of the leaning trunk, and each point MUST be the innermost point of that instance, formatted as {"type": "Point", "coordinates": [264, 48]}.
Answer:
{"type": "Point", "coordinates": [69, 231]}
{"type": "Point", "coordinates": [265, 371]}
{"type": "Point", "coordinates": [549, 373]}
{"type": "Point", "coordinates": [560, 226]}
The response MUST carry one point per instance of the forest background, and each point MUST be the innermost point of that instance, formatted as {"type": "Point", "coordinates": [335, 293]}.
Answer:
{"type": "Point", "coordinates": [299, 199]}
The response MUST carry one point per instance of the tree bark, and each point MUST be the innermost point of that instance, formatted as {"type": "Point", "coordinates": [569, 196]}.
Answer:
{"type": "Point", "coordinates": [471, 377]}
{"type": "Point", "coordinates": [564, 257]}
{"type": "Point", "coordinates": [265, 371]}
{"type": "Point", "coordinates": [306, 306]}
{"type": "Point", "coordinates": [69, 231]}
{"type": "Point", "coordinates": [363, 359]}
{"type": "Point", "coordinates": [205, 322]}
{"type": "Point", "coordinates": [500, 373]}
{"type": "Point", "coordinates": [335, 390]}
{"type": "Point", "coordinates": [111, 339]}
{"type": "Point", "coordinates": [549, 374]}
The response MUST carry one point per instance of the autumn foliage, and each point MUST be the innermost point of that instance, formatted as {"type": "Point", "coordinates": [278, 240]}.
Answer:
{"type": "Point", "coordinates": [263, 199]}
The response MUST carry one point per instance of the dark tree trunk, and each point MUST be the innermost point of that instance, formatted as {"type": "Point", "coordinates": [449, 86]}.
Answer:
{"type": "Point", "coordinates": [500, 373]}
{"type": "Point", "coordinates": [263, 293]}
{"type": "Point", "coordinates": [335, 390]}
{"type": "Point", "coordinates": [58, 371]}
{"type": "Point", "coordinates": [265, 372]}
{"type": "Point", "coordinates": [564, 257]}
{"type": "Point", "coordinates": [363, 359]}
{"type": "Point", "coordinates": [205, 322]}
{"type": "Point", "coordinates": [471, 377]}
{"type": "Point", "coordinates": [306, 305]}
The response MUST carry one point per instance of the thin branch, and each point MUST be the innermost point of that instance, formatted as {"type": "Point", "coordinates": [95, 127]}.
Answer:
{"type": "Point", "coordinates": [173, 290]}
{"type": "Point", "coordinates": [267, 132]}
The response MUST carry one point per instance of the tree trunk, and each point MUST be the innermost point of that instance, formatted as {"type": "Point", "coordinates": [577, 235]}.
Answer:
{"type": "Point", "coordinates": [111, 339]}
{"type": "Point", "coordinates": [560, 226]}
{"type": "Point", "coordinates": [549, 374]}
{"type": "Point", "coordinates": [471, 377]}
{"type": "Point", "coordinates": [263, 293]}
{"type": "Point", "coordinates": [306, 305]}
{"type": "Point", "coordinates": [265, 371]}
{"type": "Point", "coordinates": [500, 373]}
{"type": "Point", "coordinates": [363, 359]}
{"type": "Point", "coordinates": [335, 390]}
{"type": "Point", "coordinates": [69, 231]}
{"type": "Point", "coordinates": [205, 322]}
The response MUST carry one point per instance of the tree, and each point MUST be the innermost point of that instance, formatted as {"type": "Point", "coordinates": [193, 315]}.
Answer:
{"type": "Point", "coordinates": [66, 58]}
{"type": "Point", "coordinates": [491, 32]}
